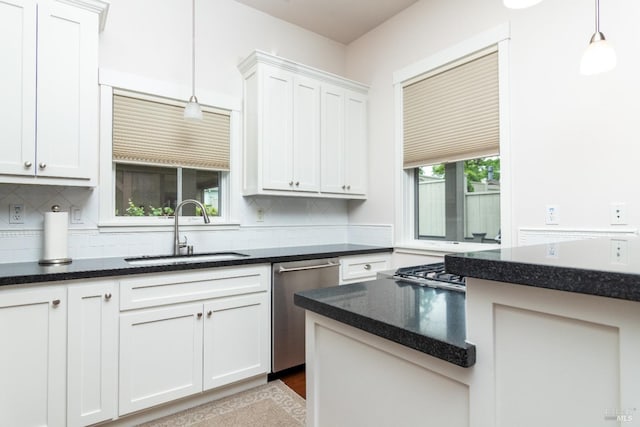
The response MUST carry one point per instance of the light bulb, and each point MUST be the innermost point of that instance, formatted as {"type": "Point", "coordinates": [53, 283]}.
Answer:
{"type": "Point", "coordinates": [192, 110]}
{"type": "Point", "coordinates": [520, 4]}
{"type": "Point", "coordinates": [598, 58]}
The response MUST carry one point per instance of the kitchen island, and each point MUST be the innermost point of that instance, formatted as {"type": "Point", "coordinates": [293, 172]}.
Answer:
{"type": "Point", "coordinates": [555, 329]}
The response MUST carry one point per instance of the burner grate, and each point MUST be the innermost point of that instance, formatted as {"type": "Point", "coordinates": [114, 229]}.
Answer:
{"type": "Point", "coordinates": [431, 272]}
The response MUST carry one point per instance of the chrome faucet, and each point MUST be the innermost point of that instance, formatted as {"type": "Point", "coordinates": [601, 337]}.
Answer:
{"type": "Point", "coordinates": [177, 244]}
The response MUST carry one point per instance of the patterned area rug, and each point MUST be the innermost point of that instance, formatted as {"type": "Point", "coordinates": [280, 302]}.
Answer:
{"type": "Point", "coordinates": [269, 405]}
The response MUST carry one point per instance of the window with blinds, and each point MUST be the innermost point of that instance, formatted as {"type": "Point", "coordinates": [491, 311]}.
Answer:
{"type": "Point", "coordinates": [452, 113]}
{"type": "Point", "coordinates": [451, 145]}
{"type": "Point", "coordinates": [155, 133]}
{"type": "Point", "coordinates": [161, 159]}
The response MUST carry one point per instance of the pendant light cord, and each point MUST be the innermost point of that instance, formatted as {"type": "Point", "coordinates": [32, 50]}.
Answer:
{"type": "Point", "coordinates": [597, 16]}
{"type": "Point", "coordinates": [193, 48]}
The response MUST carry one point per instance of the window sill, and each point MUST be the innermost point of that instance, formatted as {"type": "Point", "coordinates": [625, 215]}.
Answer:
{"type": "Point", "coordinates": [441, 248]}
{"type": "Point", "coordinates": [162, 224]}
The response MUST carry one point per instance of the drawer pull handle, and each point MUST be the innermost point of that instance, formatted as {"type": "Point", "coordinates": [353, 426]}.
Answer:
{"type": "Point", "coordinates": [367, 266]}
{"type": "Point", "coordinates": [55, 302]}
{"type": "Point", "coordinates": [107, 296]}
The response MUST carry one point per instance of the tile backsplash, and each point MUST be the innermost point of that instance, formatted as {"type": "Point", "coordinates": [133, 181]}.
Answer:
{"type": "Point", "coordinates": [286, 221]}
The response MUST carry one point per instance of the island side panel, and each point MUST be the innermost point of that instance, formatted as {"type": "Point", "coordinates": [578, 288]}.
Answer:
{"type": "Point", "coordinates": [549, 357]}
{"type": "Point", "coordinates": [358, 379]}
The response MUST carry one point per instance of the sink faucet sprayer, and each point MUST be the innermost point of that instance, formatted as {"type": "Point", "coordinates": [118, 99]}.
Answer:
{"type": "Point", "coordinates": [177, 244]}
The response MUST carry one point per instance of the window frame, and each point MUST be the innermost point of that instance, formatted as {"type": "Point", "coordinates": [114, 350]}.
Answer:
{"type": "Point", "coordinates": [229, 181]}
{"type": "Point", "coordinates": [405, 180]}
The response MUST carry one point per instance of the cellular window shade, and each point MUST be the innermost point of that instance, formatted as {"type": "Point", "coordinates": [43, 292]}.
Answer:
{"type": "Point", "coordinates": [150, 132]}
{"type": "Point", "coordinates": [452, 115]}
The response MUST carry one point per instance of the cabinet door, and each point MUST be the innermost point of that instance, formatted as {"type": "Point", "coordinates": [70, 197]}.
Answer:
{"type": "Point", "coordinates": [92, 353]}
{"type": "Point", "coordinates": [277, 133]}
{"type": "Point", "coordinates": [306, 134]}
{"type": "Point", "coordinates": [236, 339]}
{"type": "Point", "coordinates": [17, 86]}
{"type": "Point", "coordinates": [67, 91]}
{"type": "Point", "coordinates": [160, 356]}
{"type": "Point", "coordinates": [32, 360]}
{"type": "Point", "coordinates": [355, 145]}
{"type": "Point", "coordinates": [332, 140]}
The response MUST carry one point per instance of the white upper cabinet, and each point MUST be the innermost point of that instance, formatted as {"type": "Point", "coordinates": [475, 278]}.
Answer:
{"type": "Point", "coordinates": [344, 141]}
{"type": "Point", "coordinates": [50, 111]}
{"type": "Point", "coordinates": [298, 137]}
{"type": "Point", "coordinates": [290, 120]}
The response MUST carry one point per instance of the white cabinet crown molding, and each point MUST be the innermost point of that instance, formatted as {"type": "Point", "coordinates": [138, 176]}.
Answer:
{"type": "Point", "coordinates": [259, 56]}
{"type": "Point", "coordinates": [100, 7]}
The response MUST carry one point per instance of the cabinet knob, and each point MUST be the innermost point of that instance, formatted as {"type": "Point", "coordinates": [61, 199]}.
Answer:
{"type": "Point", "coordinates": [348, 187]}
{"type": "Point", "coordinates": [42, 165]}
{"type": "Point", "coordinates": [199, 315]}
{"type": "Point", "coordinates": [290, 183]}
{"type": "Point", "coordinates": [209, 313]}
{"type": "Point", "coordinates": [55, 302]}
{"type": "Point", "coordinates": [107, 296]}
{"type": "Point", "coordinates": [27, 164]}
{"type": "Point", "coordinates": [344, 187]}
{"type": "Point", "coordinates": [297, 183]}
{"type": "Point", "coordinates": [367, 266]}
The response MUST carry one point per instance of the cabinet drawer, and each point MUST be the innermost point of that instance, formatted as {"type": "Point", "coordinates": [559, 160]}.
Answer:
{"type": "Point", "coordinates": [169, 288]}
{"type": "Point", "coordinates": [361, 268]}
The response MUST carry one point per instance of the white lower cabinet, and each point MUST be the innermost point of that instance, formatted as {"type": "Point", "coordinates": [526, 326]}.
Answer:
{"type": "Point", "coordinates": [92, 353]}
{"type": "Point", "coordinates": [33, 356]}
{"type": "Point", "coordinates": [160, 356]}
{"type": "Point", "coordinates": [177, 350]}
{"type": "Point", "coordinates": [236, 336]}
{"type": "Point", "coordinates": [361, 268]}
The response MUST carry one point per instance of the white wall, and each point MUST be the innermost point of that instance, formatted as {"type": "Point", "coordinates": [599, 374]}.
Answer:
{"type": "Point", "coordinates": [574, 138]}
{"type": "Point", "coordinates": [151, 40]}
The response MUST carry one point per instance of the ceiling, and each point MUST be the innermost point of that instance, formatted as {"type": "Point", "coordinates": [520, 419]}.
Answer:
{"type": "Point", "coordinates": [340, 20]}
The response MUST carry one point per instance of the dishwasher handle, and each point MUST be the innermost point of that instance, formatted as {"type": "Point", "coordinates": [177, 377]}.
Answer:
{"type": "Point", "coordinates": [310, 267]}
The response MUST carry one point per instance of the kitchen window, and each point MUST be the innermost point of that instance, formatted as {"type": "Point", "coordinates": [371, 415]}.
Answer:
{"type": "Point", "coordinates": [159, 159]}
{"type": "Point", "coordinates": [454, 147]}
{"type": "Point", "coordinates": [459, 201]}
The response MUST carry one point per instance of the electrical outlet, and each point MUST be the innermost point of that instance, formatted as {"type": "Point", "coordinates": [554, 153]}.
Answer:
{"type": "Point", "coordinates": [552, 250]}
{"type": "Point", "coordinates": [260, 215]}
{"type": "Point", "coordinates": [619, 251]}
{"type": "Point", "coordinates": [16, 213]}
{"type": "Point", "coordinates": [552, 215]}
{"type": "Point", "coordinates": [618, 213]}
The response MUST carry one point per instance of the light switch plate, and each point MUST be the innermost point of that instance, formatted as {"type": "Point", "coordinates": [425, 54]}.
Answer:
{"type": "Point", "coordinates": [552, 215]}
{"type": "Point", "coordinates": [75, 215]}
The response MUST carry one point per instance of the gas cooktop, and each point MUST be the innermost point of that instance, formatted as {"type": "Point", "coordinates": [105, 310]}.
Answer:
{"type": "Point", "coordinates": [432, 275]}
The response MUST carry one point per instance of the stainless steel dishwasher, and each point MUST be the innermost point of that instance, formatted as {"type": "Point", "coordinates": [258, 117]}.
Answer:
{"type": "Point", "coordinates": [287, 320]}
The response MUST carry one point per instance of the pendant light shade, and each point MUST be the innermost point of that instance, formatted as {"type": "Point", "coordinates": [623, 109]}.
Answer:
{"type": "Point", "coordinates": [600, 55]}
{"type": "Point", "coordinates": [192, 110]}
{"type": "Point", "coordinates": [520, 4]}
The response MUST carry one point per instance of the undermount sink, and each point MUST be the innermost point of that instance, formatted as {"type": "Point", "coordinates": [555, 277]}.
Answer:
{"type": "Point", "coordinates": [183, 259]}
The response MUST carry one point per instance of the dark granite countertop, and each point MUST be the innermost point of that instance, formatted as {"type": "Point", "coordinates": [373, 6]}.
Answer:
{"type": "Point", "coordinates": [32, 272]}
{"type": "Point", "coordinates": [426, 319]}
{"type": "Point", "coordinates": [607, 267]}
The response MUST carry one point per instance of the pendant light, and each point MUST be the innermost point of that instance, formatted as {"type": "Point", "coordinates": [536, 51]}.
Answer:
{"type": "Point", "coordinates": [192, 110]}
{"type": "Point", "coordinates": [520, 4]}
{"type": "Point", "coordinates": [599, 56]}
